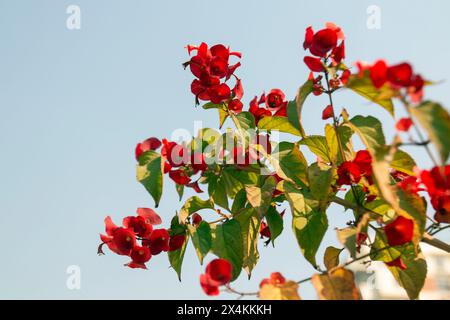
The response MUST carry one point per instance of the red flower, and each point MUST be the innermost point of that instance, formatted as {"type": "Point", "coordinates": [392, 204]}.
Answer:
{"type": "Point", "coordinates": [198, 162]}
{"type": "Point", "coordinates": [338, 53]}
{"type": "Point", "coordinates": [409, 184]}
{"type": "Point", "coordinates": [176, 242]}
{"type": "Point", "coordinates": [404, 124]}
{"type": "Point", "coordinates": [196, 219]}
{"type": "Point", "coordinates": [400, 74]}
{"type": "Point", "coordinates": [442, 206]}
{"type": "Point", "coordinates": [309, 34]}
{"type": "Point", "coordinates": [323, 41]}
{"type": "Point", "coordinates": [275, 99]}
{"type": "Point", "coordinates": [397, 263]}
{"type": "Point", "coordinates": [174, 153]}
{"type": "Point", "coordinates": [399, 231]}
{"type": "Point", "coordinates": [147, 145]}
{"type": "Point", "coordinates": [139, 226]}
{"type": "Point", "coordinates": [235, 105]}
{"type": "Point", "coordinates": [348, 173]}
{"type": "Point", "coordinates": [345, 76]}
{"type": "Point", "coordinates": [219, 93]}
{"type": "Point", "coordinates": [238, 90]}
{"type": "Point", "coordinates": [200, 87]}
{"type": "Point", "coordinates": [194, 185]}
{"type": "Point", "coordinates": [378, 73]}
{"type": "Point", "coordinates": [275, 279]}
{"type": "Point", "coordinates": [361, 238]}
{"type": "Point", "coordinates": [314, 64]}
{"type": "Point", "coordinates": [118, 239]}
{"type": "Point", "coordinates": [328, 112]}
{"type": "Point", "coordinates": [282, 112]}
{"type": "Point", "coordinates": [179, 177]}
{"type": "Point", "coordinates": [363, 160]}
{"type": "Point", "coordinates": [209, 288]}
{"type": "Point", "coordinates": [219, 271]}
{"type": "Point", "coordinates": [158, 241]}
{"type": "Point", "coordinates": [139, 256]}
{"type": "Point", "coordinates": [149, 215]}
{"type": "Point", "coordinates": [264, 230]}
{"type": "Point", "coordinates": [437, 183]}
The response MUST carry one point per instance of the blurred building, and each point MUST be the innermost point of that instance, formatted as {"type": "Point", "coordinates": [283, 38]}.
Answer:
{"type": "Point", "coordinates": [377, 282]}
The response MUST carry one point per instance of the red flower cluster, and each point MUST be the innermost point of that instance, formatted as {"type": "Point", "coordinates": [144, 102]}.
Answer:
{"type": "Point", "coordinates": [350, 172]}
{"type": "Point", "coordinates": [274, 103]}
{"type": "Point", "coordinates": [323, 45]}
{"type": "Point", "coordinates": [437, 183]}
{"type": "Point", "coordinates": [211, 66]}
{"type": "Point", "coordinates": [218, 273]}
{"type": "Point", "coordinates": [399, 231]}
{"type": "Point", "coordinates": [179, 163]}
{"type": "Point", "coordinates": [397, 76]}
{"type": "Point", "coordinates": [124, 240]}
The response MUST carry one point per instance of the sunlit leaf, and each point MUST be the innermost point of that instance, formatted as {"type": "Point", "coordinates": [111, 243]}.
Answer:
{"type": "Point", "coordinates": [285, 291]}
{"type": "Point", "coordinates": [337, 285]}
{"type": "Point", "coordinates": [149, 173]}
{"type": "Point", "coordinates": [436, 122]}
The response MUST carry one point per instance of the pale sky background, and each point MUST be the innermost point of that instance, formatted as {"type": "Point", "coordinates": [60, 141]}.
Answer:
{"type": "Point", "coordinates": [73, 104]}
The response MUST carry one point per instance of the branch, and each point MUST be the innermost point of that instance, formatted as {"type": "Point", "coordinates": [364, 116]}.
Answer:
{"type": "Point", "coordinates": [427, 238]}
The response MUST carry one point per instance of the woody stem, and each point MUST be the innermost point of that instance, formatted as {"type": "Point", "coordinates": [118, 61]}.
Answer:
{"type": "Point", "coordinates": [336, 125]}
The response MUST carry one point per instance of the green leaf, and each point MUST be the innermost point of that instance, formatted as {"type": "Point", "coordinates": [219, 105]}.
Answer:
{"type": "Point", "coordinates": [345, 135]}
{"type": "Point", "coordinates": [260, 198]}
{"type": "Point", "coordinates": [320, 177]}
{"type": "Point", "coordinates": [275, 223]}
{"type": "Point", "coordinates": [239, 201]}
{"type": "Point", "coordinates": [217, 191]}
{"type": "Point", "coordinates": [403, 162]}
{"type": "Point", "coordinates": [319, 146]}
{"type": "Point", "coordinates": [235, 180]}
{"type": "Point", "coordinates": [180, 190]}
{"type": "Point", "coordinates": [294, 109]}
{"type": "Point", "coordinates": [176, 258]}
{"type": "Point", "coordinates": [416, 207]}
{"type": "Point", "coordinates": [223, 115]}
{"type": "Point", "coordinates": [347, 237]}
{"type": "Point", "coordinates": [149, 173]}
{"type": "Point", "coordinates": [309, 224]}
{"type": "Point", "coordinates": [244, 121]}
{"type": "Point", "coordinates": [413, 277]}
{"type": "Point", "coordinates": [370, 131]}
{"type": "Point", "coordinates": [436, 122]}
{"type": "Point", "coordinates": [249, 222]}
{"type": "Point", "coordinates": [194, 204]}
{"type": "Point", "coordinates": [201, 238]}
{"type": "Point", "coordinates": [281, 124]}
{"type": "Point", "coordinates": [227, 244]}
{"type": "Point", "coordinates": [331, 257]}
{"type": "Point", "coordinates": [289, 163]}
{"type": "Point", "coordinates": [364, 87]}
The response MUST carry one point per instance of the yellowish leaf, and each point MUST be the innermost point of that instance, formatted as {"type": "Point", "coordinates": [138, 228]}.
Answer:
{"type": "Point", "coordinates": [337, 285]}
{"type": "Point", "coordinates": [285, 291]}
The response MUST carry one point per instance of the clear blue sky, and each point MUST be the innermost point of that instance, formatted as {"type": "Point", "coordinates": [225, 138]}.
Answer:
{"type": "Point", "coordinates": [73, 104]}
